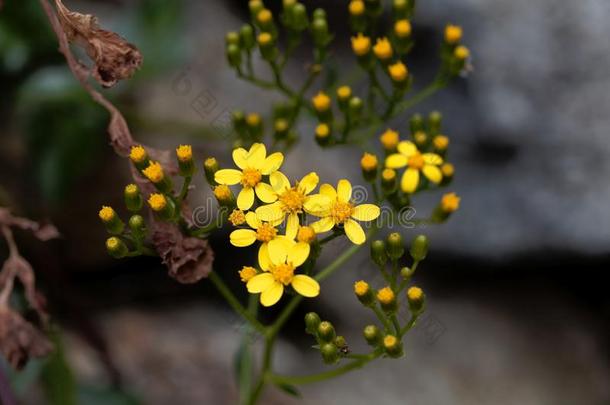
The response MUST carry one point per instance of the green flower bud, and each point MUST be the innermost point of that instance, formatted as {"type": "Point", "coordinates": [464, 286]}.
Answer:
{"type": "Point", "coordinates": [419, 248]}
{"type": "Point", "coordinates": [312, 321]}
{"type": "Point", "coordinates": [395, 246]}
{"type": "Point", "coordinates": [266, 43]}
{"type": "Point", "coordinates": [116, 247]}
{"type": "Point", "coordinates": [329, 352]}
{"type": "Point", "coordinates": [319, 13]}
{"type": "Point", "coordinates": [186, 166]}
{"type": "Point", "coordinates": [234, 55]}
{"type": "Point", "coordinates": [264, 19]}
{"type": "Point", "coordinates": [378, 253]}
{"type": "Point", "coordinates": [434, 123]}
{"type": "Point", "coordinates": [389, 181]}
{"type": "Point", "coordinates": [355, 107]}
{"type": "Point", "coordinates": [255, 7]}
{"type": "Point", "coordinates": [406, 273]}
{"type": "Point", "coordinates": [299, 17]}
{"type": "Point", "coordinates": [111, 221]}
{"type": "Point", "coordinates": [363, 292]}
{"type": "Point", "coordinates": [392, 346]}
{"type": "Point", "coordinates": [137, 226]}
{"type": "Point", "coordinates": [400, 8]}
{"type": "Point", "coordinates": [326, 331]}
{"type": "Point", "coordinates": [280, 128]}
{"type": "Point", "coordinates": [416, 123]}
{"type": "Point", "coordinates": [372, 335]}
{"type": "Point", "coordinates": [232, 38]}
{"type": "Point", "coordinates": [246, 35]}
{"type": "Point", "coordinates": [416, 299]}
{"type": "Point", "coordinates": [254, 123]}
{"type": "Point", "coordinates": [319, 30]}
{"type": "Point", "coordinates": [238, 118]}
{"type": "Point", "coordinates": [340, 342]}
{"type": "Point", "coordinates": [210, 167]}
{"type": "Point", "coordinates": [133, 198]}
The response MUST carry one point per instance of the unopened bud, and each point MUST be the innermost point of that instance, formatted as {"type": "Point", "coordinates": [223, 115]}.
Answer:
{"type": "Point", "coordinates": [329, 352]}
{"type": "Point", "coordinates": [378, 253]}
{"type": "Point", "coordinates": [137, 226]}
{"type": "Point", "coordinates": [116, 247]}
{"type": "Point", "coordinates": [387, 299]}
{"type": "Point", "coordinates": [133, 198]}
{"type": "Point", "coordinates": [210, 167]}
{"type": "Point", "coordinates": [416, 299]}
{"type": "Point", "coordinates": [419, 248]}
{"type": "Point", "coordinates": [111, 220]}
{"type": "Point", "coordinates": [364, 293]}
{"type": "Point", "coordinates": [326, 331]}
{"type": "Point", "coordinates": [392, 346]}
{"type": "Point", "coordinates": [372, 335]}
{"type": "Point", "coordinates": [395, 246]}
{"type": "Point", "coordinates": [312, 321]}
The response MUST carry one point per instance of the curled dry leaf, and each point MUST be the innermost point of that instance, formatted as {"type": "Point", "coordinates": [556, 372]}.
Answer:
{"type": "Point", "coordinates": [114, 58]}
{"type": "Point", "coordinates": [19, 340]}
{"type": "Point", "coordinates": [43, 232]}
{"type": "Point", "coordinates": [189, 259]}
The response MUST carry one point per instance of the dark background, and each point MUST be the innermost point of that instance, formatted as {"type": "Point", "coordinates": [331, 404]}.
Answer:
{"type": "Point", "coordinates": [518, 304]}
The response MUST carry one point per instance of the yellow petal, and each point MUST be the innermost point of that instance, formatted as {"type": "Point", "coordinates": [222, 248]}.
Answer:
{"type": "Point", "coordinates": [306, 286]}
{"type": "Point", "coordinates": [265, 193]}
{"type": "Point", "coordinates": [278, 251]}
{"type": "Point", "coordinates": [260, 282]}
{"type": "Point", "coordinates": [252, 220]}
{"type": "Point", "coordinates": [432, 159]}
{"type": "Point", "coordinates": [396, 161]}
{"type": "Point", "coordinates": [309, 182]}
{"type": "Point", "coordinates": [323, 225]}
{"type": "Point", "coordinates": [407, 148]}
{"type": "Point", "coordinates": [317, 204]}
{"type": "Point", "coordinates": [366, 212]}
{"type": "Point", "coordinates": [272, 163]}
{"type": "Point", "coordinates": [272, 294]}
{"type": "Point", "coordinates": [328, 190]}
{"type": "Point", "coordinates": [242, 237]}
{"type": "Point", "coordinates": [239, 157]}
{"type": "Point", "coordinates": [354, 232]}
{"type": "Point", "coordinates": [263, 257]}
{"type": "Point", "coordinates": [292, 226]}
{"type": "Point", "coordinates": [227, 176]}
{"type": "Point", "coordinates": [256, 156]}
{"type": "Point", "coordinates": [272, 212]}
{"type": "Point", "coordinates": [344, 190]}
{"type": "Point", "coordinates": [245, 198]}
{"type": "Point", "coordinates": [433, 173]}
{"type": "Point", "coordinates": [279, 182]}
{"type": "Point", "coordinates": [410, 180]}
{"type": "Point", "coordinates": [298, 254]}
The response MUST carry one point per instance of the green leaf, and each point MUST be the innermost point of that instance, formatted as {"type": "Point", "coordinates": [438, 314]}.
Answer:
{"type": "Point", "coordinates": [57, 378]}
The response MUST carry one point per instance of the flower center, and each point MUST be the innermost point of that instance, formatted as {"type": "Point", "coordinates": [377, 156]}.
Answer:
{"type": "Point", "coordinates": [250, 177]}
{"type": "Point", "coordinates": [416, 161]}
{"type": "Point", "coordinates": [292, 200]}
{"type": "Point", "coordinates": [283, 273]}
{"type": "Point", "coordinates": [341, 211]}
{"type": "Point", "coordinates": [265, 233]}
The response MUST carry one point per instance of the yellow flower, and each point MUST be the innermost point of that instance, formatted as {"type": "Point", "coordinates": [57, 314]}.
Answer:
{"type": "Point", "coordinates": [383, 49]}
{"type": "Point", "coordinates": [107, 214]}
{"type": "Point", "coordinates": [223, 193]}
{"type": "Point", "coordinates": [344, 92]}
{"type": "Point", "coordinates": [416, 162]}
{"type": "Point", "coordinates": [361, 45]}
{"type": "Point", "coordinates": [398, 71]}
{"type": "Point", "coordinates": [356, 7]}
{"type": "Point", "coordinates": [264, 39]}
{"type": "Point", "coordinates": [264, 16]}
{"type": "Point", "coordinates": [402, 28]}
{"type": "Point", "coordinates": [237, 217]}
{"type": "Point", "coordinates": [254, 164]}
{"type": "Point", "coordinates": [157, 202]}
{"type": "Point", "coordinates": [306, 234]}
{"type": "Point", "coordinates": [247, 273]}
{"type": "Point", "coordinates": [447, 169]}
{"type": "Point", "coordinates": [285, 256]}
{"type": "Point", "coordinates": [389, 139]}
{"type": "Point", "coordinates": [339, 210]}
{"type": "Point", "coordinates": [321, 102]}
{"type": "Point", "coordinates": [361, 288]}
{"type": "Point", "coordinates": [388, 174]}
{"type": "Point", "coordinates": [261, 231]}
{"type": "Point", "coordinates": [368, 162]}
{"type": "Point", "coordinates": [461, 52]}
{"type": "Point", "coordinates": [184, 153]}
{"type": "Point", "coordinates": [138, 154]}
{"type": "Point", "coordinates": [253, 119]}
{"type": "Point", "coordinates": [154, 172]}
{"type": "Point", "coordinates": [453, 33]}
{"type": "Point", "coordinates": [322, 131]}
{"type": "Point", "coordinates": [386, 296]}
{"type": "Point", "coordinates": [450, 203]}
{"type": "Point", "coordinates": [415, 294]}
{"type": "Point", "coordinates": [441, 142]}
{"type": "Point", "coordinates": [291, 201]}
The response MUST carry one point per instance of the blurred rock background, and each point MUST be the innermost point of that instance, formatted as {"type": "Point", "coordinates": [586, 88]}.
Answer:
{"type": "Point", "coordinates": [518, 311]}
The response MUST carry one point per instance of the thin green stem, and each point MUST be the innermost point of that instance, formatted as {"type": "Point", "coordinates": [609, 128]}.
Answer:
{"type": "Point", "coordinates": [382, 318]}
{"type": "Point", "coordinates": [409, 324]}
{"type": "Point", "coordinates": [184, 190]}
{"type": "Point", "coordinates": [396, 324]}
{"type": "Point", "coordinates": [234, 302]}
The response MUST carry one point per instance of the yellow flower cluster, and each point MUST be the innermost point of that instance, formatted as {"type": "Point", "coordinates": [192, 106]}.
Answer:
{"type": "Point", "coordinates": [278, 215]}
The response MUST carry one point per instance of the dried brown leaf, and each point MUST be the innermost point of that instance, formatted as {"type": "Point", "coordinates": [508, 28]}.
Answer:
{"type": "Point", "coordinates": [20, 340]}
{"type": "Point", "coordinates": [114, 58]}
{"type": "Point", "coordinates": [44, 232]}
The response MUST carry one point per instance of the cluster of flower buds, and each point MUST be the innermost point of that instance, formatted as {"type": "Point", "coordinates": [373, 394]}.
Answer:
{"type": "Point", "coordinates": [454, 55]}
{"type": "Point", "coordinates": [329, 132]}
{"type": "Point", "coordinates": [249, 127]}
{"type": "Point", "coordinates": [332, 346]}
{"type": "Point", "coordinates": [164, 202]}
{"type": "Point", "coordinates": [387, 255]}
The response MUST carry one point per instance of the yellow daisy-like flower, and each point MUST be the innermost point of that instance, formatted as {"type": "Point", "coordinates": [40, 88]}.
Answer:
{"type": "Point", "coordinates": [261, 231]}
{"type": "Point", "coordinates": [339, 210]}
{"type": "Point", "coordinates": [284, 258]}
{"type": "Point", "coordinates": [254, 164]}
{"type": "Point", "coordinates": [416, 162]}
{"type": "Point", "coordinates": [291, 201]}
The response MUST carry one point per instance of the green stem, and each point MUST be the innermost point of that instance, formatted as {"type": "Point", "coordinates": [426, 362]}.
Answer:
{"type": "Point", "coordinates": [396, 324]}
{"type": "Point", "coordinates": [382, 318]}
{"type": "Point", "coordinates": [409, 325]}
{"type": "Point", "coordinates": [184, 190]}
{"type": "Point", "coordinates": [234, 302]}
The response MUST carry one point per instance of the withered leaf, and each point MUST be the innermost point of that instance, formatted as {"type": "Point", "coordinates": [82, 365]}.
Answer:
{"type": "Point", "coordinates": [19, 340]}
{"type": "Point", "coordinates": [44, 232]}
{"type": "Point", "coordinates": [114, 58]}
